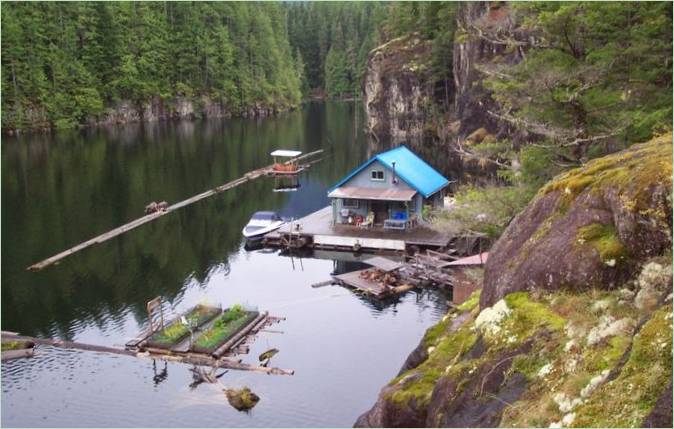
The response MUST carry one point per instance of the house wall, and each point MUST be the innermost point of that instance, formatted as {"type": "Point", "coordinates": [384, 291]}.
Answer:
{"type": "Point", "coordinates": [363, 178]}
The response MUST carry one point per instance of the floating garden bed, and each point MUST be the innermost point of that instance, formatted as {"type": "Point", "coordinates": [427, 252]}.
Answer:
{"type": "Point", "coordinates": [232, 321]}
{"type": "Point", "coordinates": [175, 332]}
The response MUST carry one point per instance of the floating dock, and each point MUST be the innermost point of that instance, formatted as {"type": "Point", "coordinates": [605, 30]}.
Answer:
{"type": "Point", "coordinates": [182, 350]}
{"type": "Point", "coordinates": [388, 277]}
{"type": "Point", "coordinates": [317, 231]}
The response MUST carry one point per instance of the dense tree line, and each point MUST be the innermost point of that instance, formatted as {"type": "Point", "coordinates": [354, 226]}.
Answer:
{"type": "Point", "coordinates": [63, 62]}
{"type": "Point", "coordinates": [334, 39]}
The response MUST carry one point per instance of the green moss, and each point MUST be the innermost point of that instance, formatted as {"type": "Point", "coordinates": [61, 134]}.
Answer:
{"type": "Point", "coordinates": [528, 316]}
{"type": "Point", "coordinates": [627, 400]}
{"type": "Point", "coordinates": [13, 345]}
{"type": "Point", "coordinates": [448, 351]}
{"type": "Point", "coordinates": [597, 359]}
{"type": "Point", "coordinates": [436, 331]}
{"type": "Point", "coordinates": [605, 240]}
{"type": "Point", "coordinates": [629, 173]}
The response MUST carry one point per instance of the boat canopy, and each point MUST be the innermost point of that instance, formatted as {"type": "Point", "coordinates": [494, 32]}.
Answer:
{"type": "Point", "coordinates": [286, 153]}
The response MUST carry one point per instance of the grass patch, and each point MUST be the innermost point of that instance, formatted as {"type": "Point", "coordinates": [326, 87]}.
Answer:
{"type": "Point", "coordinates": [176, 331]}
{"type": "Point", "coordinates": [224, 327]}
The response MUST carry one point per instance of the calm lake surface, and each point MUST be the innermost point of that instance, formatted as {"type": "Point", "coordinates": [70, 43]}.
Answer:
{"type": "Point", "coordinates": [62, 189]}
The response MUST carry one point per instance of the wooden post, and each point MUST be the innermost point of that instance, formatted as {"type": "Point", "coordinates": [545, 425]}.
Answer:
{"type": "Point", "coordinates": [152, 305]}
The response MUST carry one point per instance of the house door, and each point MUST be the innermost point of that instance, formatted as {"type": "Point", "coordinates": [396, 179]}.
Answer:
{"type": "Point", "coordinates": [380, 210]}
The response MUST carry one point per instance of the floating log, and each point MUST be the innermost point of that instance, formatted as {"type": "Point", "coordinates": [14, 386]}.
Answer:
{"type": "Point", "coordinates": [252, 175]}
{"type": "Point", "coordinates": [321, 284]}
{"type": "Point", "coordinates": [17, 354]}
{"type": "Point", "coordinates": [160, 354]}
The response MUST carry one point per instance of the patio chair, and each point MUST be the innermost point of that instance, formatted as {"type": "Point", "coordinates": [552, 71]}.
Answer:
{"type": "Point", "coordinates": [368, 222]}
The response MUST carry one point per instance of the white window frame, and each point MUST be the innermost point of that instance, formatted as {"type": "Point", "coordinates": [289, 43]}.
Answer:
{"type": "Point", "coordinates": [349, 203]}
{"type": "Point", "coordinates": [372, 174]}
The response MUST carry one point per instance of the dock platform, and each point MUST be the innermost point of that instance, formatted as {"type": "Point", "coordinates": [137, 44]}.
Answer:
{"type": "Point", "coordinates": [316, 230]}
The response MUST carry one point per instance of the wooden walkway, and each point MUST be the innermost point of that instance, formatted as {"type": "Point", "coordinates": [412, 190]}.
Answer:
{"type": "Point", "coordinates": [252, 175]}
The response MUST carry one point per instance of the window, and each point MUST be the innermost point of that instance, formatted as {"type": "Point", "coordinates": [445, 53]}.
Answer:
{"type": "Point", "coordinates": [350, 204]}
{"type": "Point", "coordinates": [377, 175]}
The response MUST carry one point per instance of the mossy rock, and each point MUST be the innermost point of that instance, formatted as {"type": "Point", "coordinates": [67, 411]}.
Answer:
{"type": "Point", "coordinates": [588, 228]}
{"type": "Point", "coordinates": [242, 399]}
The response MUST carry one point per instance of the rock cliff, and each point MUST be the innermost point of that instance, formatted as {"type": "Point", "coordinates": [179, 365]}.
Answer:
{"type": "Point", "coordinates": [178, 108]}
{"type": "Point", "coordinates": [573, 326]}
{"type": "Point", "coordinates": [155, 109]}
{"type": "Point", "coordinates": [397, 86]}
{"type": "Point", "coordinates": [399, 95]}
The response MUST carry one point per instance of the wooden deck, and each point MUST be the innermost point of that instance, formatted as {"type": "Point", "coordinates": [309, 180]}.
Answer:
{"type": "Point", "coordinates": [354, 280]}
{"type": "Point", "coordinates": [316, 229]}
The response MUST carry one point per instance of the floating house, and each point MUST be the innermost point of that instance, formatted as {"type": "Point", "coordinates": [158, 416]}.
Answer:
{"type": "Point", "coordinates": [388, 190]}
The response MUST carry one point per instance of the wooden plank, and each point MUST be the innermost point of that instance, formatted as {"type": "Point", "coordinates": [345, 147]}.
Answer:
{"type": "Point", "coordinates": [156, 215]}
{"type": "Point", "coordinates": [383, 263]}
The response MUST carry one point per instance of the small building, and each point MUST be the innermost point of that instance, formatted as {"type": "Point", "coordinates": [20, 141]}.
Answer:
{"type": "Point", "coordinates": [387, 190]}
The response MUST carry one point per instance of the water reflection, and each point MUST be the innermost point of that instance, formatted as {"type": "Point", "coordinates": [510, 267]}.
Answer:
{"type": "Point", "coordinates": [61, 189]}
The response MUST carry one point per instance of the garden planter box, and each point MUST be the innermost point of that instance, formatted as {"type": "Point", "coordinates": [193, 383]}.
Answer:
{"type": "Point", "coordinates": [219, 333]}
{"type": "Point", "coordinates": [175, 332]}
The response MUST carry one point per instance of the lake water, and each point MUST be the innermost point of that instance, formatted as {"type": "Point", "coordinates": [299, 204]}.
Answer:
{"type": "Point", "coordinates": [61, 189]}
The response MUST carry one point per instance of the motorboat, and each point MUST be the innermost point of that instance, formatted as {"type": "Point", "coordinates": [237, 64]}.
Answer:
{"type": "Point", "coordinates": [261, 223]}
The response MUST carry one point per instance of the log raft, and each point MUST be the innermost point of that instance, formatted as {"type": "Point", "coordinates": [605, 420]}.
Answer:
{"type": "Point", "coordinates": [251, 175]}
{"type": "Point", "coordinates": [218, 360]}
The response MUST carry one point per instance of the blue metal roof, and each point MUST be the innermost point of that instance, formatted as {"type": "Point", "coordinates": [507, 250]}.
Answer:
{"type": "Point", "coordinates": [409, 167]}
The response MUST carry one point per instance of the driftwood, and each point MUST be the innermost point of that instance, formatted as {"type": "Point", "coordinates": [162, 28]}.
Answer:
{"type": "Point", "coordinates": [252, 175]}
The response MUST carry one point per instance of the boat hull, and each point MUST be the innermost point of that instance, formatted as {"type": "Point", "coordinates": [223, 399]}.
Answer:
{"type": "Point", "coordinates": [259, 232]}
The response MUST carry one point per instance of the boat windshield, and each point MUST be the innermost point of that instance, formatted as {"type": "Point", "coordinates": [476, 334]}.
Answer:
{"type": "Point", "coordinates": [265, 216]}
